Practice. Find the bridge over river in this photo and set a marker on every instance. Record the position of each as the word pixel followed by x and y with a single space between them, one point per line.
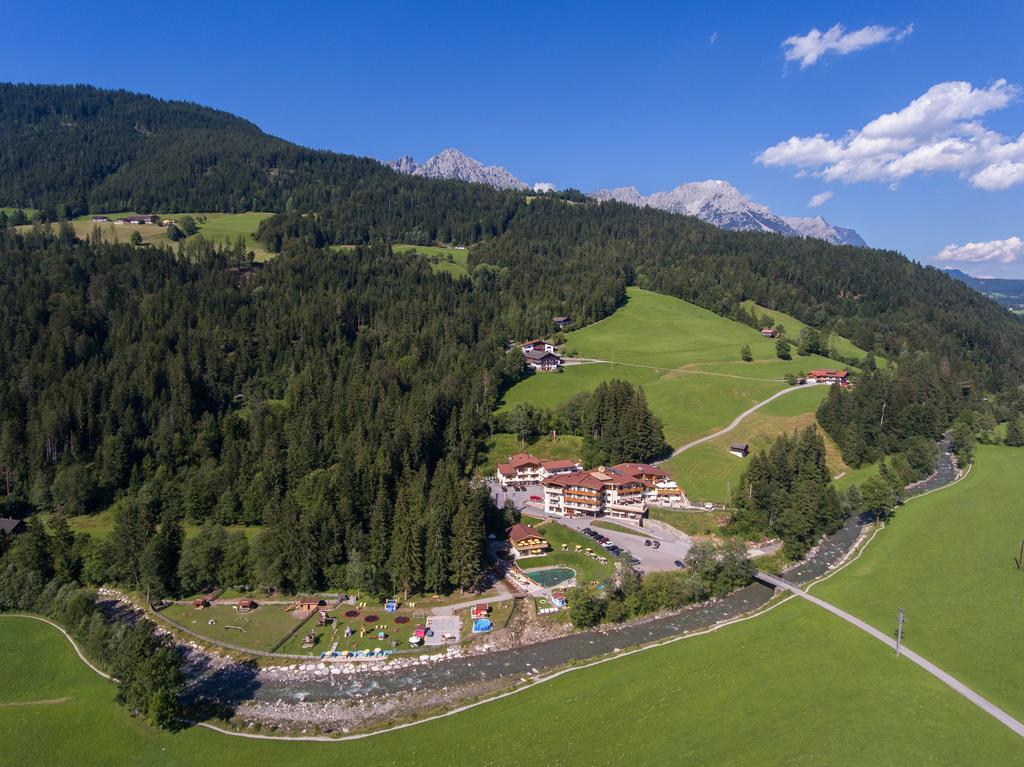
pixel 532 660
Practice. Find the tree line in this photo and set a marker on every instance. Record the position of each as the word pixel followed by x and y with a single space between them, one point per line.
pixel 615 421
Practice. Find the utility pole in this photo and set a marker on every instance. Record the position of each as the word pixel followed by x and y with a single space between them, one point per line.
pixel 899 631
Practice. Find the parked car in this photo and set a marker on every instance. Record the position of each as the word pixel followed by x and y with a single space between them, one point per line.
pixel 647 542
pixel 678 563
pixel 656 544
pixel 536 498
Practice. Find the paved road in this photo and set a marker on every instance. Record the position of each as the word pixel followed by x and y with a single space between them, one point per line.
pixel 651 559
pixel 673 547
pixel 739 419
pixel 947 679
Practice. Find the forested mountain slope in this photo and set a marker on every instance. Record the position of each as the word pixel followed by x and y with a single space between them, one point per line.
pixel 71 150
pixel 330 393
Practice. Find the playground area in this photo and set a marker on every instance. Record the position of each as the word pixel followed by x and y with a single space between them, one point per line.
pixel 261 628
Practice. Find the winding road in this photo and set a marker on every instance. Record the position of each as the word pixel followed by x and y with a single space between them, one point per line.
pixel 948 679
pixel 739 419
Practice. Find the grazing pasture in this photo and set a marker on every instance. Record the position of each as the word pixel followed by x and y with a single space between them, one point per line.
pixel 222 228
pixel 687 359
pixel 948 559
pixel 844 346
pixel 779 689
pixel 708 471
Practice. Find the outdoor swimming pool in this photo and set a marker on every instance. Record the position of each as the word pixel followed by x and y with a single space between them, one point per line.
pixel 552 576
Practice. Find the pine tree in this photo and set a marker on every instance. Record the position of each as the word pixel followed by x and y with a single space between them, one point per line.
pixel 159 562
pixel 467 544
pixel 441 507
pixel 1015 432
pixel 62 541
pixel 406 563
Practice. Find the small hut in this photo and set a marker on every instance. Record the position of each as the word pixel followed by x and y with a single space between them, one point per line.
pixel 246 604
pixel 200 603
pixel 739 449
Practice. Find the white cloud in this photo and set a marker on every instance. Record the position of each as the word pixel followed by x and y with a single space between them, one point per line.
pixel 938 131
pixel 544 186
pixel 714 38
pixel 820 199
pixel 1005 251
pixel 807 49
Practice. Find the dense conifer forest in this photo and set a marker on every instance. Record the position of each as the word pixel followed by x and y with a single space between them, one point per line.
pixel 338 398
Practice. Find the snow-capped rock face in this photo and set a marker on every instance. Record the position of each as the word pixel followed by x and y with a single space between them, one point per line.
pixel 722 204
pixel 816 226
pixel 453 164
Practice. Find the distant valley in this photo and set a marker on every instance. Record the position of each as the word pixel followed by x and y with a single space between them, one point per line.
pixel 1008 293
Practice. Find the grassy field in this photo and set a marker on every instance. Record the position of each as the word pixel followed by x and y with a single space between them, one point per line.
pixel 794 687
pixel 793 327
pixel 686 358
pixel 451 260
pixel 708 471
pixel 501 446
pixel 689 522
pixel 222 228
pixel 30 213
pixel 260 629
pixel 587 569
pixel 948 559
pixel 101 525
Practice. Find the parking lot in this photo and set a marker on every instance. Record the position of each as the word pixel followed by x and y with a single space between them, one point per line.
pixel 672 548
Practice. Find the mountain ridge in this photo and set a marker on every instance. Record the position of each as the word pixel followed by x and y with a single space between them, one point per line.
pixel 722 204
pixel 454 165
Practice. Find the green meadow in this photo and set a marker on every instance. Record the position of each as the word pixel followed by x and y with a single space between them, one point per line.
pixel 223 228
pixel 948 559
pixel 500 446
pixel 795 686
pixel 709 471
pixel 450 260
pixel 686 358
pixel 793 327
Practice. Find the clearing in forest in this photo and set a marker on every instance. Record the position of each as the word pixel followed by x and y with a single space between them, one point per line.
pixel 687 359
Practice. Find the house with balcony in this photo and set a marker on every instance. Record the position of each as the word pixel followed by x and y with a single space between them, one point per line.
pixel 659 487
pixel 526 541
pixel 604 491
pixel 528 469
pixel 841 377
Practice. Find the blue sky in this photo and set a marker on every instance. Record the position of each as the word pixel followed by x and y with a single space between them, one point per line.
pixel 593 95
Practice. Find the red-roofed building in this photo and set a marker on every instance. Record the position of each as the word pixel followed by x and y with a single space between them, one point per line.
pixel 596 492
pixel 840 377
pixel 659 487
pixel 524 468
pixel 526 541
pixel 769 332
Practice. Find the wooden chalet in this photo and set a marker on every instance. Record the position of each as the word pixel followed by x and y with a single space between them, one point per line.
pixel 526 541
pixel 739 449
pixel 246 604
pixel 841 377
